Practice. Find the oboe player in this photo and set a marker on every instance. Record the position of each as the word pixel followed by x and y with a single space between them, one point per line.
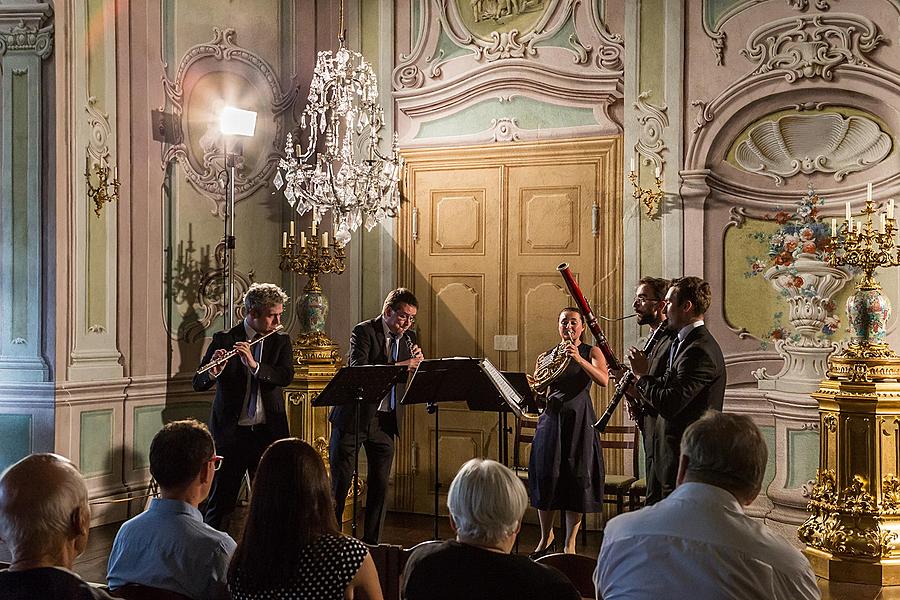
pixel 650 307
pixel 386 339
pixel 248 411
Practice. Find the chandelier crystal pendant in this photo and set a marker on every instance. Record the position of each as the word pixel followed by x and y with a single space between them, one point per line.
pixel 342 170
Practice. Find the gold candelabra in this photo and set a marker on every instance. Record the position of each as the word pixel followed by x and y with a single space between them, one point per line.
pixel 860 245
pixel 101 194
pixel 651 199
pixel 307 256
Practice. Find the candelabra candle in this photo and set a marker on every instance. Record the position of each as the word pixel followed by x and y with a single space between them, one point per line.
pixel 651 199
pixel 863 245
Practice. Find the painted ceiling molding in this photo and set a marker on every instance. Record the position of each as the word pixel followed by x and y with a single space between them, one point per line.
pixel 827 142
pixel 653 119
pixel 812 46
pixel 432 82
pixel 202 70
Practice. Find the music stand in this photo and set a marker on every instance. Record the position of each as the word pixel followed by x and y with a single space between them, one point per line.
pixel 362 384
pixel 474 381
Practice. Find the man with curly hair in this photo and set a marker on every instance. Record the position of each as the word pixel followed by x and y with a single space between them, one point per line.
pixel 248 411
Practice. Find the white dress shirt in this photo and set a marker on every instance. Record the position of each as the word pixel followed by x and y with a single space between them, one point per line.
pixel 698 544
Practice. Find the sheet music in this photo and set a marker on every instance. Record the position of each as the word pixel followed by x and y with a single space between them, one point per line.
pixel 509 393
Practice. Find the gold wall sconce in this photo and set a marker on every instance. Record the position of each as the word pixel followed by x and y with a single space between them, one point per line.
pixel 651 199
pixel 106 190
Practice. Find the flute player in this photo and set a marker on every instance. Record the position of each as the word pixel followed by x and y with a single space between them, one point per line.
pixel 248 412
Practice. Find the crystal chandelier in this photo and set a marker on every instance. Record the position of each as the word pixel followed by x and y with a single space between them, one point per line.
pixel 342 169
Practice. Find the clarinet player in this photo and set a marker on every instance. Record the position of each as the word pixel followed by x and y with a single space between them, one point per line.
pixel 650 307
pixel 386 339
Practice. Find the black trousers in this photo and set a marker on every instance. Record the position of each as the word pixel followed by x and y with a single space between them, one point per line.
pixel 379 446
pixel 239 456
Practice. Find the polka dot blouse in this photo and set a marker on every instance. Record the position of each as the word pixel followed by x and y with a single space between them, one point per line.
pixel 325 569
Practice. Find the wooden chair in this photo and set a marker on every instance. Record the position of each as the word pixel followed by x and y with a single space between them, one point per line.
pixel 524 436
pixel 637 494
pixel 577 568
pixel 616 488
pixel 389 560
pixel 134 591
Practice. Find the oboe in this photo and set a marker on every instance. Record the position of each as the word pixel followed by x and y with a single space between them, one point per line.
pixel 412 351
pixel 225 357
pixel 628 379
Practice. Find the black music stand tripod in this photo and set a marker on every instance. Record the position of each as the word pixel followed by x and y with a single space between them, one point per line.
pixel 363 384
pixel 455 380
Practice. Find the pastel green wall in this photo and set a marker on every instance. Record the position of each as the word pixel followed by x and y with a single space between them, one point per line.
pixel 148 420
pixel 16 438
pixel 803 457
pixel 768 433
pixel 96 447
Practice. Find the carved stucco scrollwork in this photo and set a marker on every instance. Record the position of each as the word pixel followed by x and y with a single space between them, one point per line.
pixel 100 131
pixel 222 57
pixel 653 120
pixel 505 129
pixel 812 46
pixel 825 143
pixel 704 115
pixel 25 38
pixel 802 5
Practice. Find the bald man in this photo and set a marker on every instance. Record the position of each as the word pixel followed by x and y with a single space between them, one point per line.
pixel 44 520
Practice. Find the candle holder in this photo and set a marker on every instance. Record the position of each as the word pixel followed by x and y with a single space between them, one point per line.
pixel 651 199
pixel 105 190
pixel 862 246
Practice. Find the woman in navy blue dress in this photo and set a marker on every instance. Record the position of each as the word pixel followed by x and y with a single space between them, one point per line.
pixel 565 471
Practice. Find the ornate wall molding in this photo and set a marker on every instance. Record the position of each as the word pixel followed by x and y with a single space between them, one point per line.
pixel 827 142
pixel 203 155
pixel 653 120
pixel 100 131
pixel 812 46
pixel 460 59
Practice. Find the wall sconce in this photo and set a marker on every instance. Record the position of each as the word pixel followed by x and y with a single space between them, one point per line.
pixel 651 199
pixel 105 190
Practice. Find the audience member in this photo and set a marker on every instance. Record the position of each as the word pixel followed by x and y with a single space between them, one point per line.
pixel 291 546
pixel 486 502
pixel 697 542
pixel 44 521
pixel 169 546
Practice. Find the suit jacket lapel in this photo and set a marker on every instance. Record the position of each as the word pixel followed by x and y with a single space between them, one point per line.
pixel 689 339
pixel 380 341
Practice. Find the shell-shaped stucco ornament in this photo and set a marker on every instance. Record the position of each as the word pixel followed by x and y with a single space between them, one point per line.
pixel 825 143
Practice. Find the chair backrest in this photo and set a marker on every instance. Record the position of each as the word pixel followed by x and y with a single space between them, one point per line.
pixel 626 439
pixel 579 569
pixel 134 591
pixel 525 429
pixel 389 560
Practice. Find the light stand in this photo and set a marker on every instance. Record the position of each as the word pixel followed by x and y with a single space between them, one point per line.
pixel 232 122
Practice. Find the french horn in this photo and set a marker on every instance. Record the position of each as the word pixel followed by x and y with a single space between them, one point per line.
pixel 550 365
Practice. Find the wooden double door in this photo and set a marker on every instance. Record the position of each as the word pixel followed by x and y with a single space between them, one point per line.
pixel 481 237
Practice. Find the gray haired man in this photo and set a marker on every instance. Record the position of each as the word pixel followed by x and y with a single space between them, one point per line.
pixel 697 542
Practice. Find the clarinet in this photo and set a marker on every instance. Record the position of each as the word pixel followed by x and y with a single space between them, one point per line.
pixel 628 379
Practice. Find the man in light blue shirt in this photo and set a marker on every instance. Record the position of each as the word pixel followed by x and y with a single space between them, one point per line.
pixel 169 546
pixel 698 542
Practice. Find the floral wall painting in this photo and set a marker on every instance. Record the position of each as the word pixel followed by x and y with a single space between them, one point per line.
pixel 482 17
pixel 782 290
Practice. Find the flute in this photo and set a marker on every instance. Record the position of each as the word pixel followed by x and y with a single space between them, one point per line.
pixel 225 357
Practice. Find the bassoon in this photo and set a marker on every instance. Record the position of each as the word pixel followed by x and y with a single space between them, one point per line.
pixel 589 317
pixel 626 382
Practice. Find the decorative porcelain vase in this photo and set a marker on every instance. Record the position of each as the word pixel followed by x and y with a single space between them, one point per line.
pixel 312 310
pixel 868 311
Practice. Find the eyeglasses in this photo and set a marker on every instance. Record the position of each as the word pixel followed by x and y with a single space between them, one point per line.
pixel 216 461
pixel 643 300
pixel 405 317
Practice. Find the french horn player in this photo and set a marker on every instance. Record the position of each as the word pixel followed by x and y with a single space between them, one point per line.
pixel 565 471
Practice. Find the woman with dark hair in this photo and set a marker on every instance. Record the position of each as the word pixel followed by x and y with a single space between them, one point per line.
pixel 291 546
pixel 565 471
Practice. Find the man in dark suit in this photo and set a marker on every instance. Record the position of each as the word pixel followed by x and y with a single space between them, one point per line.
pixel 248 411
pixel 693 381
pixel 386 339
pixel 650 307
